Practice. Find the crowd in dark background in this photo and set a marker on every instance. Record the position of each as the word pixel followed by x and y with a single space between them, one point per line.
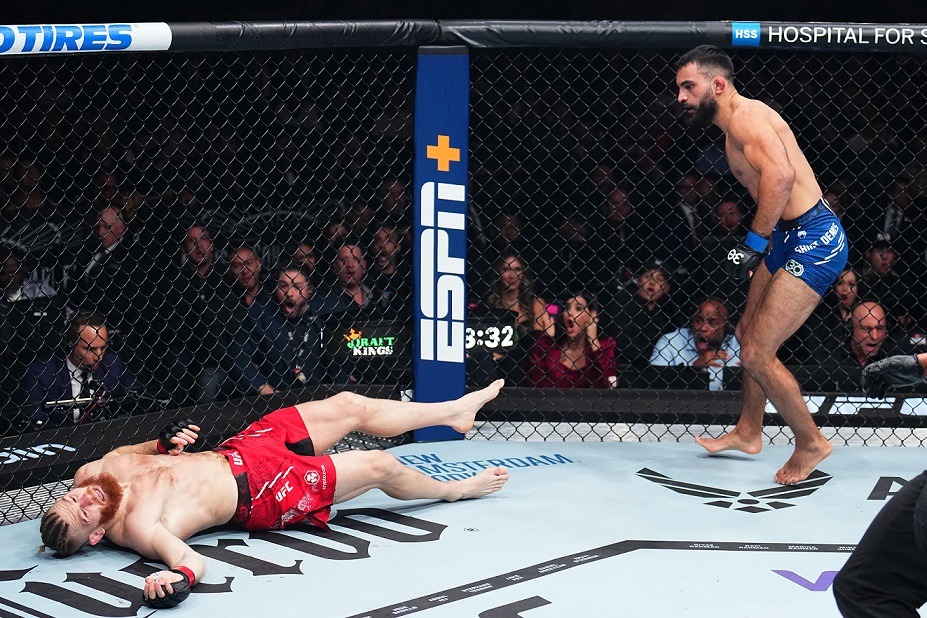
pixel 186 229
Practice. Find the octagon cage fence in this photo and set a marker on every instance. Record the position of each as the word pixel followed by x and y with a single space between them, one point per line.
pixel 220 225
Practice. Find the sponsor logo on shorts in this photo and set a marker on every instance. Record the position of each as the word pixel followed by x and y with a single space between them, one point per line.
pixel 236 457
pixel 312 477
pixel 758 501
pixel 802 233
pixel 794 268
pixel 745 34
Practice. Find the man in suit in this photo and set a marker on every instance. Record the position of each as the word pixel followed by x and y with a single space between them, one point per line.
pixel 110 279
pixel 86 370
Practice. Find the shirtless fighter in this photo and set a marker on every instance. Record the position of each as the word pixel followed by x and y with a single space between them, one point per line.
pixel 794 250
pixel 150 497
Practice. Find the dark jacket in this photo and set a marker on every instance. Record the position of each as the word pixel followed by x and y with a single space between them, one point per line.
pixel 48 380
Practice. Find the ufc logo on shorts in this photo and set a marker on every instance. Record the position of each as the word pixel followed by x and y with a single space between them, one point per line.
pixel 735 256
pixel 443 292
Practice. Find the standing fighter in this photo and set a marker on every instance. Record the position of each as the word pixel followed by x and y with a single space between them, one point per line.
pixel 807 251
pixel 150 497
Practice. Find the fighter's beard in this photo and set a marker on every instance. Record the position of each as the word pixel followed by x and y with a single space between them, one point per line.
pixel 704 114
pixel 113 492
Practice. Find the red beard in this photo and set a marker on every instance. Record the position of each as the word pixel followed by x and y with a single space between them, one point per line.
pixel 112 491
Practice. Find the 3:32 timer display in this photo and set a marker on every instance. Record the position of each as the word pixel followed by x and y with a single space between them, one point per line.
pixel 491 337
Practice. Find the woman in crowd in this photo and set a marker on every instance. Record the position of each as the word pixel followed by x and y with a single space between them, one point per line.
pixel 581 357
pixel 513 289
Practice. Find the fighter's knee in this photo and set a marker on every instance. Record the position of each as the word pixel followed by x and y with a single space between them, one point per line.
pixel 754 358
pixel 348 402
pixel 381 464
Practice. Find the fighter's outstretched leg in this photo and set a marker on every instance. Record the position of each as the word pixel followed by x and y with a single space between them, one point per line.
pixel 360 471
pixel 332 419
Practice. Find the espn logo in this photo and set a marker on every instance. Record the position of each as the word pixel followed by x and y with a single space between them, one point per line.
pixel 443 289
pixel 745 34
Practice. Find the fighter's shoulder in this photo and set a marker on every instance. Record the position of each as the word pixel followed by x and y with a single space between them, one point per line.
pixel 752 115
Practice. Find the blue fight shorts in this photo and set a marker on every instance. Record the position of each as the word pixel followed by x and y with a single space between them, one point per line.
pixel 812 247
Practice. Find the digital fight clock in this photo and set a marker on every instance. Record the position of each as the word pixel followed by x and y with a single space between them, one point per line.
pixel 491 336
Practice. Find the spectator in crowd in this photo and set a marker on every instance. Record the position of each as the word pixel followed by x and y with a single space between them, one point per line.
pixel 509 233
pixel 573 252
pixel 638 314
pixel 902 223
pixel 506 233
pixel 79 372
pixel 334 234
pixel 16 282
pixel 619 229
pixel 678 230
pixel 394 199
pixel 305 256
pixel 358 218
pixel 196 314
pixel 513 289
pixel 728 226
pixel 109 278
pixel 582 357
pixel 389 274
pixel 708 342
pixel 282 345
pixel 396 206
pixel 246 269
pixel 868 334
pixel 881 279
pixel 29 206
pixel 827 327
pixel 351 293
pixel 31 319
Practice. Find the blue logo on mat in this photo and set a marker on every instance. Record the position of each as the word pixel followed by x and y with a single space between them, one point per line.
pixel 745 34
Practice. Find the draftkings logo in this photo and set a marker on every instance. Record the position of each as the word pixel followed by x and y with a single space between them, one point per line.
pixel 358 345
pixel 758 501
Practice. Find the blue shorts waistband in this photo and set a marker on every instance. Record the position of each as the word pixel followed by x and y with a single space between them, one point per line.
pixel 792 224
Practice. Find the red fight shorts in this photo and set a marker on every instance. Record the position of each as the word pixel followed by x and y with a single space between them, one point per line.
pixel 280 480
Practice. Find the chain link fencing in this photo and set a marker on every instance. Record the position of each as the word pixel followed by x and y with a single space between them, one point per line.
pixel 190 229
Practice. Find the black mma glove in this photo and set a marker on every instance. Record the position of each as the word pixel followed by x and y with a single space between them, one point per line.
pixel 164 438
pixel 745 257
pixel 893 371
pixel 181 592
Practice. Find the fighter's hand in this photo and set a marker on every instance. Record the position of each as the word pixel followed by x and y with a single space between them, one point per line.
pixel 166 589
pixel 891 372
pixel 177 435
pixel 743 259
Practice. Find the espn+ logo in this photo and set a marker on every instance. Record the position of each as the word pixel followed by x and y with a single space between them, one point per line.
pixel 65 38
pixel 745 33
pixel 443 290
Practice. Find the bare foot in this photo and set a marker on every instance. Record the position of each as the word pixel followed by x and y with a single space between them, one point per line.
pixel 472 402
pixel 485 483
pixel 803 462
pixel 733 441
